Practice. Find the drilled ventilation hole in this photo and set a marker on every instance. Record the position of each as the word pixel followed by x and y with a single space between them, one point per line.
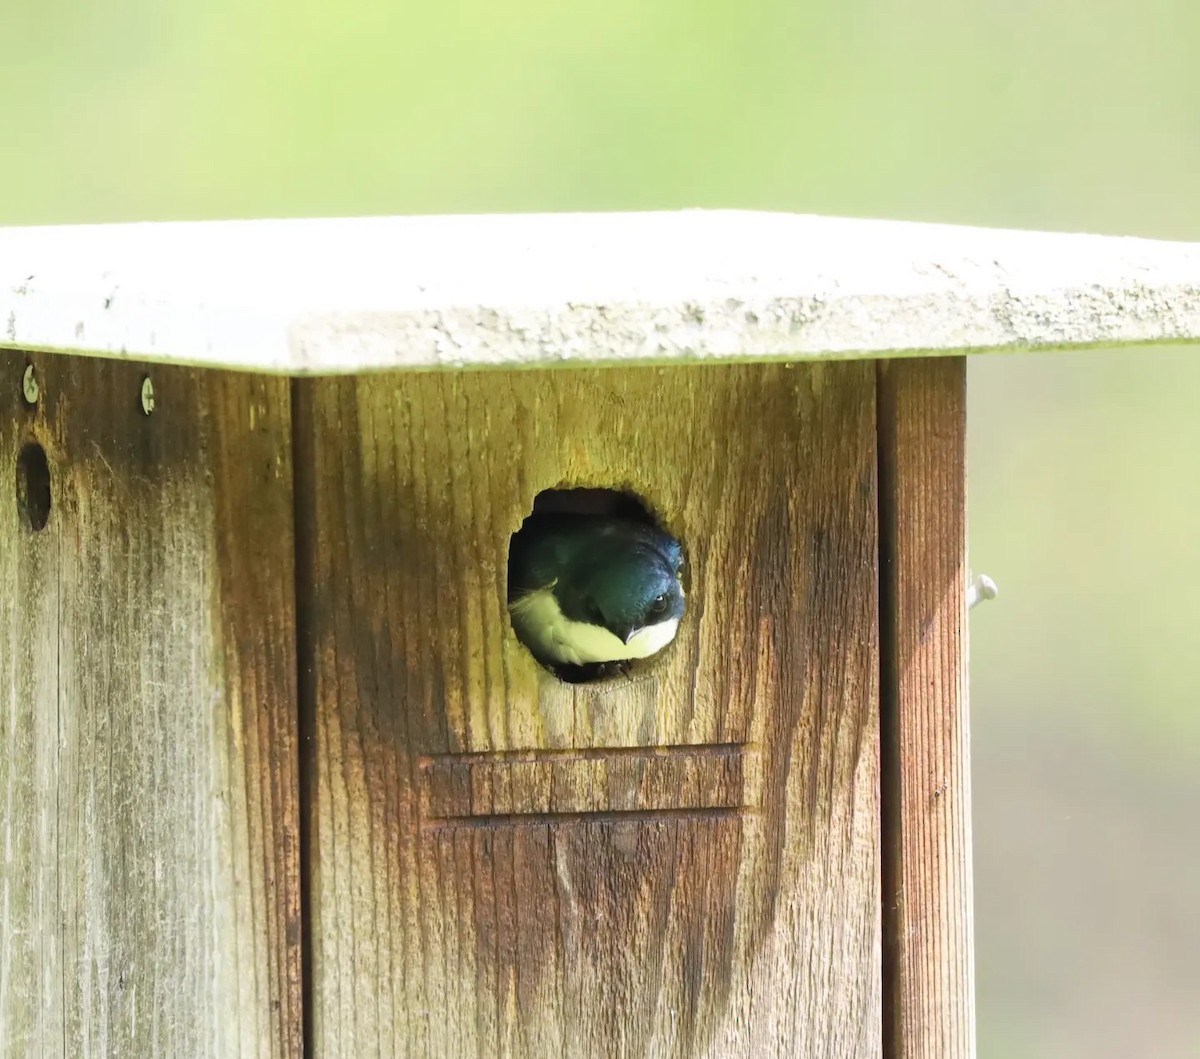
pixel 33 486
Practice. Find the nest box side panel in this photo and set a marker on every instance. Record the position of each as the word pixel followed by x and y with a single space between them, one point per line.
pixel 149 896
pixel 683 862
pixel 929 952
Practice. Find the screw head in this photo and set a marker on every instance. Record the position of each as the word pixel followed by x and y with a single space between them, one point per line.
pixel 147 395
pixel 29 385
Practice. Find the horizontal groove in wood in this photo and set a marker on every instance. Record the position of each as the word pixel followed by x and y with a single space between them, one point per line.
pixel 591 753
pixel 500 820
pixel 612 780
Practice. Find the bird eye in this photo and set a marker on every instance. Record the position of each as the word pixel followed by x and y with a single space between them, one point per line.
pixel 658 605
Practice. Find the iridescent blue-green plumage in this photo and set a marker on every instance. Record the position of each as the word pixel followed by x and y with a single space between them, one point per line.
pixel 589 589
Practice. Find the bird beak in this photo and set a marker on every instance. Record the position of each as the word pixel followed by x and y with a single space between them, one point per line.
pixel 630 634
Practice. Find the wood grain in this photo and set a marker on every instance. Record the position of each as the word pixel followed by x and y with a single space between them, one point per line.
pixel 540 783
pixel 929 955
pixel 149 898
pixel 612 916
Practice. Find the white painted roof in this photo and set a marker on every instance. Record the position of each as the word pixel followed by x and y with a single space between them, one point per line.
pixel 339 296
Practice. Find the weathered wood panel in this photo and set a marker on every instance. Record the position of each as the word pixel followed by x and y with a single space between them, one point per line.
pixel 345 295
pixel 929 955
pixel 683 863
pixel 149 861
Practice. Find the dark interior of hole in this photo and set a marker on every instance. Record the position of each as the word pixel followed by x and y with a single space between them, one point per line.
pixel 602 503
pixel 33 486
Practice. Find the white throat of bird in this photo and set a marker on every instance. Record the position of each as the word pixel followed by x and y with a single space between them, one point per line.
pixel 551 634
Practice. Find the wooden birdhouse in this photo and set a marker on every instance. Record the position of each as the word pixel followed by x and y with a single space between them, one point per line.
pixel 277 776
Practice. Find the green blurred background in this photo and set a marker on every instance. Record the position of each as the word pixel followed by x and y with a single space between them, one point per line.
pixel 1058 114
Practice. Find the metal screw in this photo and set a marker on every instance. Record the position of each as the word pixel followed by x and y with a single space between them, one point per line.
pixel 29 385
pixel 981 587
pixel 147 395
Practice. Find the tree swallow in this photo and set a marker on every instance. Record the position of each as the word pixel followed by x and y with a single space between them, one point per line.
pixel 585 590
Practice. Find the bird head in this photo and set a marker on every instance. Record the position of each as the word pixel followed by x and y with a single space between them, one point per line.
pixel 628 582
